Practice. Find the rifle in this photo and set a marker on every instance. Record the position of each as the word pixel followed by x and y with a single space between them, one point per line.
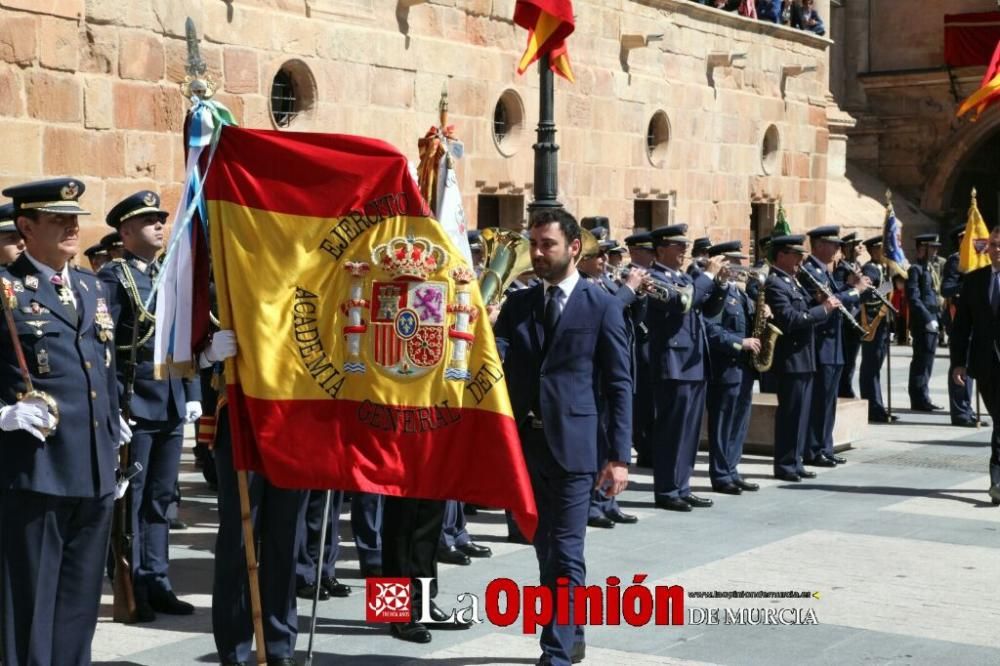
pixel 121 527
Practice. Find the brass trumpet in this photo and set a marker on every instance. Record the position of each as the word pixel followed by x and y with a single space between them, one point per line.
pixel 658 289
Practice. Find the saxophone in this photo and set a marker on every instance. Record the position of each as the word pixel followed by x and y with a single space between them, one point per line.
pixel 764 331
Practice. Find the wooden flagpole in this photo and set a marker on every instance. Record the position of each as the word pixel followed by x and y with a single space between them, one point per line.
pixel 252 567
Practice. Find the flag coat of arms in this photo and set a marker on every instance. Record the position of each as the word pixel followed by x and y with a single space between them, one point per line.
pixel 366 361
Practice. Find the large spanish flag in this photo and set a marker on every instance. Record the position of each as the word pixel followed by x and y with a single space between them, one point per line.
pixel 366 361
pixel 549 23
pixel 988 92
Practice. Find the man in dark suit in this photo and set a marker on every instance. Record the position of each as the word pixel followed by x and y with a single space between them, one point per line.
pixel 564 343
pixel 58 479
pixel 794 354
pixel 729 319
pixel 975 344
pixel 922 295
pixel 678 354
pixel 875 347
pixel 825 243
pixel 160 408
pixel 959 395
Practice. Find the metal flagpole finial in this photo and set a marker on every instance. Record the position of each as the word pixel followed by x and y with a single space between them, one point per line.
pixel 973 193
pixel 888 197
pixel 443 105
pixel 197 83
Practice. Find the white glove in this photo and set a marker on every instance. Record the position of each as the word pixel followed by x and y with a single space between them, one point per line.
pixel 192 411
pixel 223 346
pixel 124 431
pixel 30 414
pixel 932 327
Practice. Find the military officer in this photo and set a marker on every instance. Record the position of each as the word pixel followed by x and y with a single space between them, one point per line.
pixel 877 320
pixel 824 243
pixel 58 479
pixel 616 258
pixel 794 355
pixel 936 263
pixel 640 249
pixel 11 243
pixel 848 265
pixel 678 352
pixel 959 396
pixel 160 408
pixel 113 243
pixel 729 321
pixel 924 301
pixel 97 255
pixel 309 532
pixel 764 379
pixel 699 253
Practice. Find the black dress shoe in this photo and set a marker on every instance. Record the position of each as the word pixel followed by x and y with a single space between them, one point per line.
pixel 968 423
pixel 994 493
pixel 819 461
pixel 600 521
pixel 518 538
pixel 579 652
pixel 334 587
pixel 929 407
pixel 442 620
pixel 791 478
pixel 884 418
pixel 143 611
pixel 282 661
pixel 453 555
pixel 698 502
pixel 475 550
pixel 167 602
pixel 414 632
pixel 746 485
pixel 840 460
pixel 234 663
pixel 672 504
pixel 309 592
pixel 620 516
pixel 728 489
pixel 806 474
pixel 176 525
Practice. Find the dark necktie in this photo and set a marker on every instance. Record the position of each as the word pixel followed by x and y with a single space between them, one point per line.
pixel 552 312
pixel 65 296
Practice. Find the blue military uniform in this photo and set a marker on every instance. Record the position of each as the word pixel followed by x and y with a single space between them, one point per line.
pixel 922 294
pixel 829 341
pixel 58 495
pixel 875 346
pixel 699 250
pixel 678 356
pixel 729 320
pixel 852 343
pixel 959 397
pixel 157 407
pixel 643 405
pixel 794 363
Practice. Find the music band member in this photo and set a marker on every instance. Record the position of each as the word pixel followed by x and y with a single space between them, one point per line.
pixel 563 344
pixel 975 345
pixel 678 353
pixel 875 318
pixel 729 320
pixel 846 266
pixel 794 355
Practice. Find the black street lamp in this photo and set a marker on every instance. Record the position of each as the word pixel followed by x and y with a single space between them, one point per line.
pixel 546 185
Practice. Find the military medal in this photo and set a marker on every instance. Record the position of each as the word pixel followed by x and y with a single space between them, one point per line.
pixel 65 297
pixel 31 282
pixel 43 362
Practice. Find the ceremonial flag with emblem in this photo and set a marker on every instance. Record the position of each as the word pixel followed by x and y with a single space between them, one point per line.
pixel 366 360
pixel 892 243
pixel 549 23
pixel 972 252
pixel 987 93
pixel 781 226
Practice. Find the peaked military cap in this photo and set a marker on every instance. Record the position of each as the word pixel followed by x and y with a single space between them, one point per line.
pixel 829 232
pixel 95 250
pixel 598 225
pixel 58 195
pixel 850 239
pixel 957 232
pixel 729 249
pixel 143 202
pixel 874 241
pixel 764 241
pixel 7 219
pixel 672 234
pixel 643 239
pixel 701 244
pixel 475 239
pixel 617 249
pixel 608 245
pixel 112 241
pixel 928 239
pixel 789 243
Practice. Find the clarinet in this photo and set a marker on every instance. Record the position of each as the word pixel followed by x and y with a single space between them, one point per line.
pixel 823 289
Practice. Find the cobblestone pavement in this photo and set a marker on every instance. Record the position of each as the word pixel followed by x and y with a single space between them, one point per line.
pixel 900 545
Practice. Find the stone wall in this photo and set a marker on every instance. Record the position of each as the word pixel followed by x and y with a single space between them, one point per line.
pixel 90 88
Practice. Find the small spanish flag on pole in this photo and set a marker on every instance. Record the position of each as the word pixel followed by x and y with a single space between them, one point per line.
pixel 549 23
pixel 972 251
pixel 988 92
